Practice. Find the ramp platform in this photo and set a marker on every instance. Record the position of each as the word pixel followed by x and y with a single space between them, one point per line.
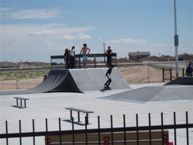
pixel 182 81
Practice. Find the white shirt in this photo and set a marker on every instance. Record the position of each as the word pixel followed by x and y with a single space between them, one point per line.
pixel 72 52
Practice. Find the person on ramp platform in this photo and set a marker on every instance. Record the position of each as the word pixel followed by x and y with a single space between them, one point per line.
pixel 67 58
pixel 72 57
pixel 109 56
pixel 85 51
pixel 108 74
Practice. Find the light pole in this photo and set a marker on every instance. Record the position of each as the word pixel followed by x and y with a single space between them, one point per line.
pixel 176 40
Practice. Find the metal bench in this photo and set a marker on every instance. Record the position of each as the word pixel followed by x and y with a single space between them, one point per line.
pixel 87 112
pixel 21 102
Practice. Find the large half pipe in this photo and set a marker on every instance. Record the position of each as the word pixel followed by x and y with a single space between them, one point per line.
pixel 75 80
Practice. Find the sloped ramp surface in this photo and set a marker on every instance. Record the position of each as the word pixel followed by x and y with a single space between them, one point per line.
pixel 52 83
pixel 182 81
pixel 74 80
pixel 58 80
pixel 154 93
pixel 92 79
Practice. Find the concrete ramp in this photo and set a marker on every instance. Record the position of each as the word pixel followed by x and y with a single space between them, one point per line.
pixel 52 82
pixel 182 81
pixel 74 80
pixel 154 93
pixel 93 79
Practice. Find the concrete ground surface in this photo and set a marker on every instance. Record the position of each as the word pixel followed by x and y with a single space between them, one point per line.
pixel 52 106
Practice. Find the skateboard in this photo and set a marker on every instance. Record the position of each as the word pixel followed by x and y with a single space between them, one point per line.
pixel 105 89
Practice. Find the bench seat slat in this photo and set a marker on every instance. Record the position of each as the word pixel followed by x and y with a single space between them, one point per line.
pixel 21 98
pixel 78 110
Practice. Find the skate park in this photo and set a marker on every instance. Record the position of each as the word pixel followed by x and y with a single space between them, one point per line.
pixel 80 89
pixel 142 96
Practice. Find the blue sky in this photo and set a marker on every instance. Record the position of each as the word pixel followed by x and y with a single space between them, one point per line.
pixel 32 30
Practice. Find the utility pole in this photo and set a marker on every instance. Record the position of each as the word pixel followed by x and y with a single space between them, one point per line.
pixel 176 40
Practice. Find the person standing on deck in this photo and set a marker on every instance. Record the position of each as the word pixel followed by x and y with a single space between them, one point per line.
pixel 72 57
pixel 67 58
pixel 84 51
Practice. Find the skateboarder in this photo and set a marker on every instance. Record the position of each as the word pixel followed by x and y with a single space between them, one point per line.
pixel 108 82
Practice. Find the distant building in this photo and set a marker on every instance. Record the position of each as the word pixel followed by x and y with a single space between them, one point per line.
pixel 23 65
pixel 138 55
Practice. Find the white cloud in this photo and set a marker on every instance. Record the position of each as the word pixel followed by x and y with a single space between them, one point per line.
pixel 42 33
pixel 36 42
pixel 129 41
pixel 83 36
pixel 8 13
pixel 79 36
pixel 125 45
pixel 69 37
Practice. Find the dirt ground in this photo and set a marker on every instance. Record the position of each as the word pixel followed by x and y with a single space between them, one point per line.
pixel 20 84
pixel 133 74
pixel 141 74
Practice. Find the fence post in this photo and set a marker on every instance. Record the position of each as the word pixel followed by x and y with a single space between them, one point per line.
pixel 6 128
pixel 162 128
pixel 183 72
pixel 112 137
pixel 124 125
pixel 170 74
pixel 47 138
pixel 73 136
pixel 99 132
pixel 137 130
pixel 163 74
pixel 175 140
pixel 60 135
pixel 187 129
pixel 20 139
pixel 150 137
pixel 86 133
pixel 33 129
pixel 148 77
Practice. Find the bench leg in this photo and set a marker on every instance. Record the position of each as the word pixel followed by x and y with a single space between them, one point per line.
pixel 21 104
pixel 24 103
pixel 71 115
pixel 86 119
pixel 78 116
pixel 17 102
